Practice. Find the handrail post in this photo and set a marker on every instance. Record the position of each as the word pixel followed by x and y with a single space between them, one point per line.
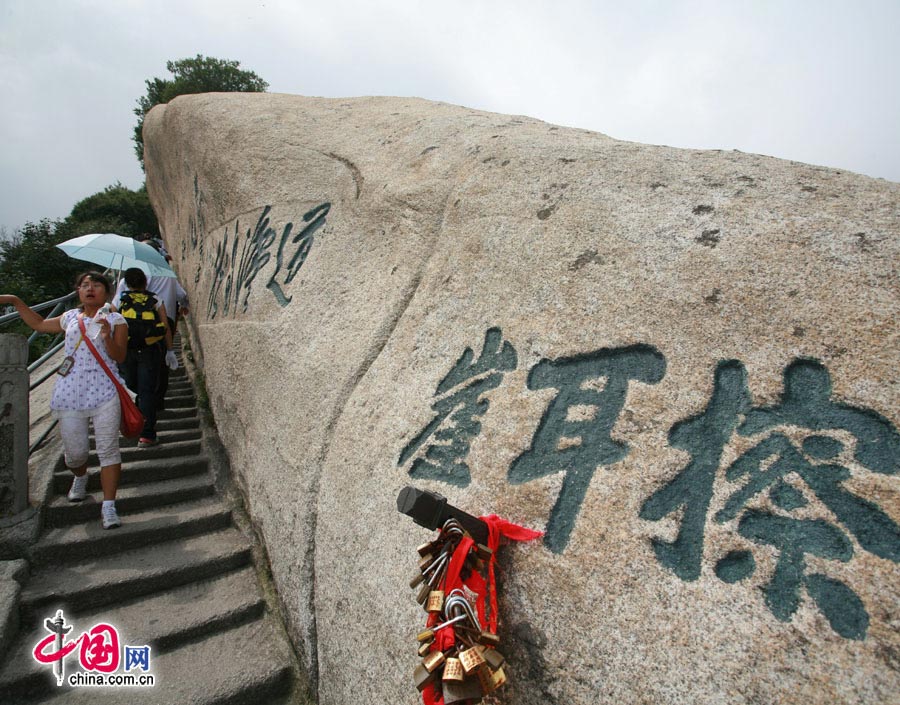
pixel 13 425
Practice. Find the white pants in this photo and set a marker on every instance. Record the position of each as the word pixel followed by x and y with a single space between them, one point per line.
pixel 74 432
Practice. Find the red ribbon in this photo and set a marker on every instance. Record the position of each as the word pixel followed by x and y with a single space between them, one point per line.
pixel 446 637
pixel 498 527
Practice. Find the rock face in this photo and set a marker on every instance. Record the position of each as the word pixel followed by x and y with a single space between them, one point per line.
pixel 681 365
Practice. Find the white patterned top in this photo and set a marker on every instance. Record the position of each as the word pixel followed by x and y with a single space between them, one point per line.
pixel 87 387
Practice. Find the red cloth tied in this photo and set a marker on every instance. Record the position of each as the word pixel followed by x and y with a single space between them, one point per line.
pixel 498 527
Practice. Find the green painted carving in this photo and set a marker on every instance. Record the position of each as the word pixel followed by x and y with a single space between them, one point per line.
pixel 578 447
pixel 704 437
pixel 807 403
pixel 196 222
pixel 765 469
pixel 794 538
pixel 236 267
pixel 457 415
pixel 574 437
pixel 874 530
pixel 301 244
pixel 786 496
pixel 840 605
pixel 735 566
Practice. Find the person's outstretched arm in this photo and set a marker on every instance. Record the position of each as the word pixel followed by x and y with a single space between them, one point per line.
pixel 32 319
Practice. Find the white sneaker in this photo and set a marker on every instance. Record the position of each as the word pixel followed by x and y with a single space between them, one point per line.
pixel 78 491
pixel 110 518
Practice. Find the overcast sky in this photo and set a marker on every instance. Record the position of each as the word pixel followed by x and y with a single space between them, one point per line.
pixel 816 81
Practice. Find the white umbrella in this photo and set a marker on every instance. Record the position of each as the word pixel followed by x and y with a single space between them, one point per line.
pixel 117 252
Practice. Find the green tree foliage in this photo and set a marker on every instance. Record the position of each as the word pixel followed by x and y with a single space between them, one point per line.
pixel 31 266
pixel 116 209
pixel 34 269
pixel 198 75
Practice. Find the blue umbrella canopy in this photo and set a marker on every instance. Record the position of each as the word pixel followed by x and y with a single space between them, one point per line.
pixel 117 252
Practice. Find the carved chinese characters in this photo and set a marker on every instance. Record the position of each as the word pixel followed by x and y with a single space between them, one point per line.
pixel 578 446
pixel 237 259
pixel 463 407
pixel 790 476
pixel 787 491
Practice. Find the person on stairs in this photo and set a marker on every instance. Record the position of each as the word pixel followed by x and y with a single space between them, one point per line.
pixel 168 291
pixel 83 391
pixel 149 337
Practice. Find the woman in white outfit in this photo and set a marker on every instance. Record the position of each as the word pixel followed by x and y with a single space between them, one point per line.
pixel 85 392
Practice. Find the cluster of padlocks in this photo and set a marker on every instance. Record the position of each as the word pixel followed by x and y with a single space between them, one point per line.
pixel 460 659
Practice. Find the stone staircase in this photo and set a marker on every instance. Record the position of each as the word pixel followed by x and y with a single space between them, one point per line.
pixel 178 575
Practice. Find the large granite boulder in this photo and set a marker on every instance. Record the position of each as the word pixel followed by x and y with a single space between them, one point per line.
pixel 681 365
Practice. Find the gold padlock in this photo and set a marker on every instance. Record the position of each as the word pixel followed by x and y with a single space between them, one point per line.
pixel 433 660
pixel 428 634
pixel 425 648
pixel 499 677
pixel 427 548
pixel 435 602
pixel 471 659
pixel 453 670
pixel 474 562
pixel 485 679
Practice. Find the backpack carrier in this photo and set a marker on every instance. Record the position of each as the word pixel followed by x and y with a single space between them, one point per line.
pixel 144 324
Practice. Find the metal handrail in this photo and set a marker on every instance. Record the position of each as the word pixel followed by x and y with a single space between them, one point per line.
pixel 42 359
pixel 62 300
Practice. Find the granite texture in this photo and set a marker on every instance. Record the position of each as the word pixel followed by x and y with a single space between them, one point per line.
pixel 682 367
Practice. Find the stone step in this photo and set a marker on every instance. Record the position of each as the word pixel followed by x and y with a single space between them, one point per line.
pixel 165 435
pixel 177 399
pixel 109 580
pixel 171 430
pixel 179 389
pixel 188 422
pixel 130 499
pixel 179 386
pixel 75 542
pixel 246 665
pixel 183 441
pixel 163 621
pixel 178 413
pixel 168 447
pixel 179 402
pixel 139 471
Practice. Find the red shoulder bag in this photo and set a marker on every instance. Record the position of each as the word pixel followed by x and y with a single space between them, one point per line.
pixel 132 418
